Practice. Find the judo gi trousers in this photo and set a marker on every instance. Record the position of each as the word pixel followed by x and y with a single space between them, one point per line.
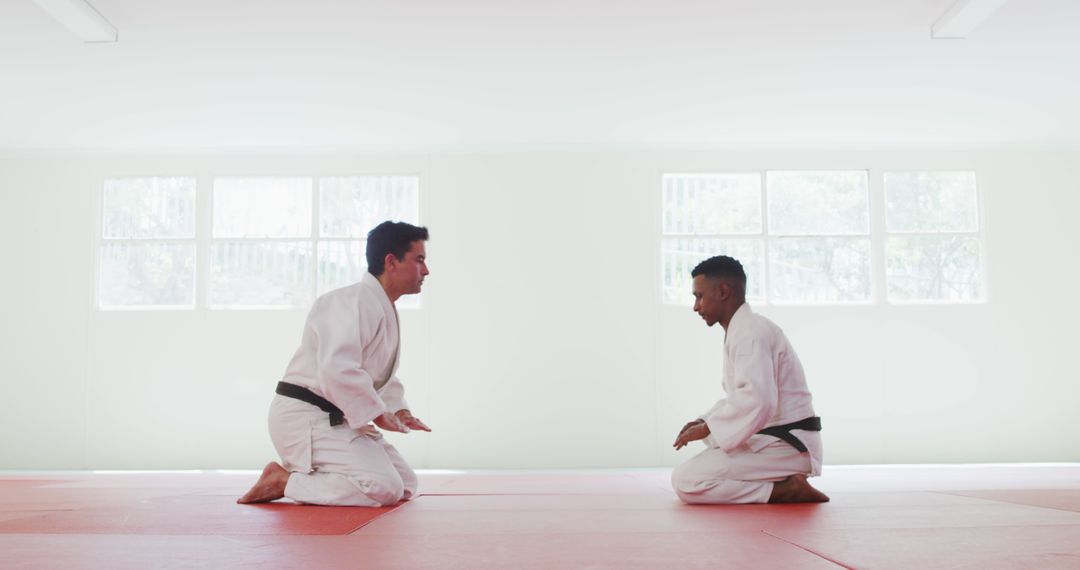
pixel 744 475
pixel 336 465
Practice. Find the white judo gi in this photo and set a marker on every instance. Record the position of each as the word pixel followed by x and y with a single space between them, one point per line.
pixel 765 386
pixel 348 354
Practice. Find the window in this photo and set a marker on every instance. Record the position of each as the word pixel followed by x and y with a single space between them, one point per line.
pixel 261 253
pixel 147 247
pixel 933 249
pixel 706 215
pixel 807 237
pixel 810 228
pixel 820 222
pixel 273 241
pixel 349 207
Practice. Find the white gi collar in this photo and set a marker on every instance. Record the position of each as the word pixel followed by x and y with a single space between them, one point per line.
pixel 372 282
pixel 743 313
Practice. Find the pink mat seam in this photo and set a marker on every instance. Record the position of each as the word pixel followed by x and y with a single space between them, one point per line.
pixel 1008 502
pixel 809 550
pixel 381 515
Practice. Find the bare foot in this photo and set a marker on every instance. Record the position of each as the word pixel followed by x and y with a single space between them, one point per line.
pixel 796 489
pixel 269 487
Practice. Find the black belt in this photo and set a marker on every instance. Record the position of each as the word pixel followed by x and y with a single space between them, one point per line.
pixel 784 432
pixel 337 417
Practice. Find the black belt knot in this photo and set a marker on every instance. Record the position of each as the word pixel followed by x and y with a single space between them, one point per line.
pixel 337 417
pixel 784 432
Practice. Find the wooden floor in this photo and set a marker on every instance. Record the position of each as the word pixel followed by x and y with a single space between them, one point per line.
pixel 995 516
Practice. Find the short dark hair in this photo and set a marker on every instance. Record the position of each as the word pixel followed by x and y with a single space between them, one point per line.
pixel 391 237
pixel 723 267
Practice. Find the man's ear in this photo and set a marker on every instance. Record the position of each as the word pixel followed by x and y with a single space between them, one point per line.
pixel 388 260
pixel 725 289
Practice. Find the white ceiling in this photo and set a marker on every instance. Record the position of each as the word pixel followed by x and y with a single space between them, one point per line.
pixel 280 74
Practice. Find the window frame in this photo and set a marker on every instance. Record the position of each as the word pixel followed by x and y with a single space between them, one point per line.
pixel 204 240
pixel 877 236
pixel 749 237
pixel 766 237
pixel 100 241
pixel 868 236
pixel 978 235
pixel 409 302
pixel 207 280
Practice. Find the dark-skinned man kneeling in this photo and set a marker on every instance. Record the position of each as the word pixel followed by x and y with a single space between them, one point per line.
pixel 762 439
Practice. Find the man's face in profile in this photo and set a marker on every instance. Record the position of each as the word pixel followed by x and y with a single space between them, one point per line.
pixel 708 298
pixel 411 269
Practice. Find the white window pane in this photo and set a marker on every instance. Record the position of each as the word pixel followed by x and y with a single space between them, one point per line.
pixel 147 274
pixel 819 270
pixel 681 255
pixel 262 207
pixel 931 202
pixel 351 206
pixel 260 273
pixel 341 263
pixel 149 208
pixel 934 268
pixel 712 203
pixel 818 203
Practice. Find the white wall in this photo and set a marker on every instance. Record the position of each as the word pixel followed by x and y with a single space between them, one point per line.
pixel 541 342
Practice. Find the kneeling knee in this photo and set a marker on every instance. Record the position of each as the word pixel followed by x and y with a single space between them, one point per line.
pixel 681 483
pixel 393 489
pixel 688 492
pixel 689 484
pixel 384 491
pixel 690 498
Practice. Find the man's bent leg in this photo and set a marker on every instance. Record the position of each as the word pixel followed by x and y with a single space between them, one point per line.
pixel 408 476
pixel 716 477
pixel 289 421
pixel 705 479
pixel 342 490
pixel 349 469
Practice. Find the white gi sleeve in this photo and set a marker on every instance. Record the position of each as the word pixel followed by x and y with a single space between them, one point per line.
pixel 715 407
pixel 749 406
pixel 393 394
pixel 341 335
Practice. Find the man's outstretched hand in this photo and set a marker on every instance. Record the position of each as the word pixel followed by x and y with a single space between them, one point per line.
pixel 390 422
pixel 692 431
pixel 410 421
